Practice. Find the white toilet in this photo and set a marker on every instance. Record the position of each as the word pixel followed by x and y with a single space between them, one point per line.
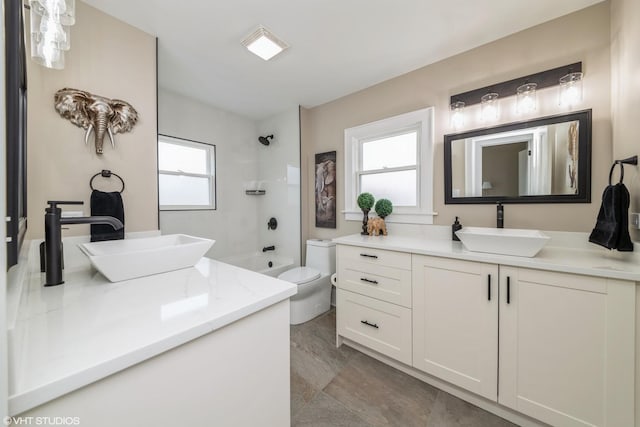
pixel 313 280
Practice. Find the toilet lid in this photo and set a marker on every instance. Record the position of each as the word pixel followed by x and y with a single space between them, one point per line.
pixel 300 275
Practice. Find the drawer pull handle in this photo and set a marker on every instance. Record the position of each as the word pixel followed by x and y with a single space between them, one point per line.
pixel 373 325
pixel 374 282
pixel 489 288
pixel 508 290
pixel 369 256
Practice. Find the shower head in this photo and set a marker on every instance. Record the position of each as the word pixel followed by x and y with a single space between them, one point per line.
pixel 264 140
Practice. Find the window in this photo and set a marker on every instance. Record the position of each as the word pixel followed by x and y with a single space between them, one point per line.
pixel 392 159
pixel 186 174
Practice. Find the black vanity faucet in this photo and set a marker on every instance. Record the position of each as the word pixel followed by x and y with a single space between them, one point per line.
pixel 53 237
pixel 500 216
pixel 268 248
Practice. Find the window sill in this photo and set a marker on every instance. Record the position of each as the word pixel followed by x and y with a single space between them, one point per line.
pixel 395 218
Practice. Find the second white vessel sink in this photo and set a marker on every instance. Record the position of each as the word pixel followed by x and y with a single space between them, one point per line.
pixel 127 259
pixel 503 241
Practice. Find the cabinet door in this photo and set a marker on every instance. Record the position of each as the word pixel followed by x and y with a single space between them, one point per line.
pixel 455 322
pixel 567 347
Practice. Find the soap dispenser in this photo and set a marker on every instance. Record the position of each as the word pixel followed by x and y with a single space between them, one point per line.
pixel 455 227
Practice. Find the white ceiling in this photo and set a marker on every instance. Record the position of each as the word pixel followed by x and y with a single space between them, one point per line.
pixel 337 46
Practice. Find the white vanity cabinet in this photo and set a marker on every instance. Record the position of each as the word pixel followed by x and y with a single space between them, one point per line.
pixel 529 344
pixel 567 347
pixel 373 297
pixel 455 322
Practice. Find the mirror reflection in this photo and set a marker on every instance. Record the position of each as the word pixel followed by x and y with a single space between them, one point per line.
pixel 538 160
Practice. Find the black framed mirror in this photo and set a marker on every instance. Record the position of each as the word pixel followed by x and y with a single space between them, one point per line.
pixel 16 132
pixel 545 160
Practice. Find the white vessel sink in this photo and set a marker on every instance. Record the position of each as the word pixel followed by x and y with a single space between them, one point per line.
pixel 503 241
pixel 127 259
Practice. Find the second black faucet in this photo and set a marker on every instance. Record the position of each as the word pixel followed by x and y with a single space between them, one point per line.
pixel 500 216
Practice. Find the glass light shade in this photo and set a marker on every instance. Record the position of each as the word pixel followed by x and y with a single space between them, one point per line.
pixel 47 55
pixel 570 89
pixel 526 99
pixel 61 11
pixel 486 185
pixel 46 30
pixel 457 115
pixel 490 109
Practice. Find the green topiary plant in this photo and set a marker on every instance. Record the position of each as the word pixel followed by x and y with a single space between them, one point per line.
pixel 365 201
pixel 384 208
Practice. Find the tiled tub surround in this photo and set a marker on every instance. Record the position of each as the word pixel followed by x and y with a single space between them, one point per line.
pixel 547 339
pixel 64 338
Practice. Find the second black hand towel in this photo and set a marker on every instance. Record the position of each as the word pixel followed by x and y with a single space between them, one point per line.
pixel 109 204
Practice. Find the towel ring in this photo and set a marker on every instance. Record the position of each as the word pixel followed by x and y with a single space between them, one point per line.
pixel 630 161
pixel 613 166
pixel 106 174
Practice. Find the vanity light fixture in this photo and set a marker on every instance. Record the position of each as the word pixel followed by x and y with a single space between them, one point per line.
pixel 50 33
pixel 526 101
pixel 568 77
pixel 570 89
pixel 264 43
pixel 490 109
pixel 457 115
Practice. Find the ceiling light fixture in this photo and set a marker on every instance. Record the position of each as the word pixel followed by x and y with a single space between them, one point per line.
pixel 264 43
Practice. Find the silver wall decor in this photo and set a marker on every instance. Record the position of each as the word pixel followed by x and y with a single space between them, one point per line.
pixel 95 114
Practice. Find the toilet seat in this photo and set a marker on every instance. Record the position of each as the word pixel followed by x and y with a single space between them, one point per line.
pixel 300 275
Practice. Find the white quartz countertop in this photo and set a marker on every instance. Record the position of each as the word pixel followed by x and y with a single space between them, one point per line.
pixel 566 253
pixel 65 337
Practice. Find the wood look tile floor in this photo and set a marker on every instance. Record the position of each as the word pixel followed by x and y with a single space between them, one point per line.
pixel 333 387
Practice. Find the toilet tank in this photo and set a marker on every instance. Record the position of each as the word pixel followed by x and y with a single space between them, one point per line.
pixel 321 255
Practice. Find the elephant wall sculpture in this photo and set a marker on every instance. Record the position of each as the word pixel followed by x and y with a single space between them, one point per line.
pixel 95 114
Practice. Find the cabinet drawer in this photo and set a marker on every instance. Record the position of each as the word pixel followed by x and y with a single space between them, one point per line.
pixel 384 283
pixel 369 256
pixel 379 325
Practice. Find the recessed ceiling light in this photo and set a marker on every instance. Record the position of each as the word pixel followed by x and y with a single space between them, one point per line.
pixel 264 43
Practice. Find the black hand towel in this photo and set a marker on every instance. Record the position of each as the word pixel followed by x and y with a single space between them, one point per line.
pixel 109 204
pixel 612 225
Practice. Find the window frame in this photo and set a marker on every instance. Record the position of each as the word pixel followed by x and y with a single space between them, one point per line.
pixel 354 138
pixel 211 175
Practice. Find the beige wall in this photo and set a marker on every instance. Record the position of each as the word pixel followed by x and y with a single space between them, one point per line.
pixel 111 59
pixel 625 90
pixel 581 36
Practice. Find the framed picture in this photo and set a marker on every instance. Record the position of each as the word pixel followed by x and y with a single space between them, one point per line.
pixel 326 189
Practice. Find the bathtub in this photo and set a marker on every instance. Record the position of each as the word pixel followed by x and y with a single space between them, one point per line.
pixel 259 262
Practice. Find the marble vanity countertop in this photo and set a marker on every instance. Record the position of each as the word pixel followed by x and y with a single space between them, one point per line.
pixel 65 337
pixel 567 253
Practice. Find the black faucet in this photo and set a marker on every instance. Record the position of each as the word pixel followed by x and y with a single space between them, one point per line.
pixel 268 248
pixel 500 216
pixel 53 237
